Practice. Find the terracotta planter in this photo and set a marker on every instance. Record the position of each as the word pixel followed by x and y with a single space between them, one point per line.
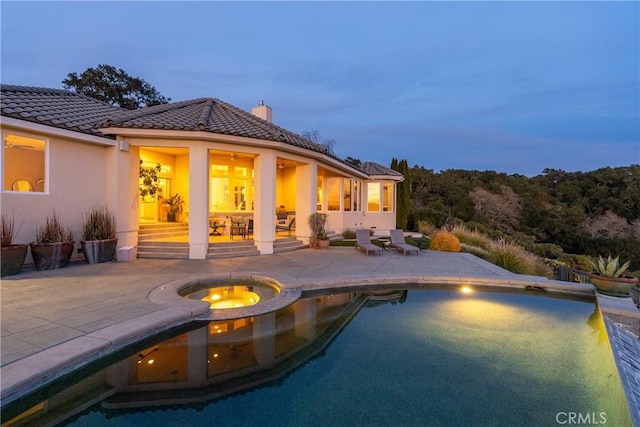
pixel 49 256
pixel 617 286
pixel 97 251
pixel 323 243
pixel 13 259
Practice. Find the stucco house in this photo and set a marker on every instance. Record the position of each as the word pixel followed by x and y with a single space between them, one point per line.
pixel 67 152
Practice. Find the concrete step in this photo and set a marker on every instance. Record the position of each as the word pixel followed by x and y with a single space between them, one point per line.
pixel 163 230
pixel 162 226
pixel 164 235
pixel 232 249
pixel 239 254
pixel 165 255
pixel 163 250
pixel 288 244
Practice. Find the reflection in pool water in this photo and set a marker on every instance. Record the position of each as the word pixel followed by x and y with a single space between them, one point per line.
pixel 425 357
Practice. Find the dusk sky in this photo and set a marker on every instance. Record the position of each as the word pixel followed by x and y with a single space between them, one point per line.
pixel 514 87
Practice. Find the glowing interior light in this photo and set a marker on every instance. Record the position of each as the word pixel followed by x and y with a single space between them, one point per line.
pixel 466 290
pixel 150 362
pixel 232 297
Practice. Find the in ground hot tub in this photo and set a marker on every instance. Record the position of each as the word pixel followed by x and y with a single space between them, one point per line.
pixel 239 297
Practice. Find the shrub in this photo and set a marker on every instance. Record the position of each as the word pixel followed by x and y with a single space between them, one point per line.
pixel 546 250
pixel 432 216
pixel 426 228
pixel 445 242
pixel 472 238
pixel 578 262
pixel 349 234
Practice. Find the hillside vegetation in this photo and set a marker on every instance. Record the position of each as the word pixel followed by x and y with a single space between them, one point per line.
pixel 551 214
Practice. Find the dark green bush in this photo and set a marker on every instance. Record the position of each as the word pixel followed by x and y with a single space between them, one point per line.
pixel 546 250
pixel 349 234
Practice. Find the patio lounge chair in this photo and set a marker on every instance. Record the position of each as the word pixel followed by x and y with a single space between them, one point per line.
pixel 286 227
pixel 363 242
pixel 397 242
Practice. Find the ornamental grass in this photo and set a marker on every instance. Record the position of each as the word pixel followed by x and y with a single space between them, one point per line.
pixel 516 259
pixel 471 237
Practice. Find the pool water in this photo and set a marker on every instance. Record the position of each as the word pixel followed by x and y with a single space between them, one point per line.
pixel 416 357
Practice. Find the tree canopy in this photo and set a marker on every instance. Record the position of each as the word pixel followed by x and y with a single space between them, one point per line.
pixel 590 213
pixel 114 86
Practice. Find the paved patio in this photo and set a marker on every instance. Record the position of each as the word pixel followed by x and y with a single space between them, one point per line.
pixel 54 321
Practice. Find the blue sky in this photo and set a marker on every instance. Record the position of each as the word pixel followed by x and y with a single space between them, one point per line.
pixel 514 87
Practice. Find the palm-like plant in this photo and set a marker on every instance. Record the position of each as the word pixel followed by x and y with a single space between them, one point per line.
pixel 610 267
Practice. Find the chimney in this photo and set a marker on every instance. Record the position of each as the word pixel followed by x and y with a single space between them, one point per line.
pixel 262 111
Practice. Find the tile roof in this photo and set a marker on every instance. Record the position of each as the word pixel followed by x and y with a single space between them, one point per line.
pixel 372 168
pixel 209 115
pixel 54 107
pixel 71 111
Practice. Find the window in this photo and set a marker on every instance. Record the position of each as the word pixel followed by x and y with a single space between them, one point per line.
pixel 319 194
pixel 357 195
pixel 333 194
pixel 231 188
pixel 387 200
pixel 24 164
pixel 373 197
pixel 219 194
pixel 347 194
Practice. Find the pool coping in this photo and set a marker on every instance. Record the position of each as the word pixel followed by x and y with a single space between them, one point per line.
pixel 622 323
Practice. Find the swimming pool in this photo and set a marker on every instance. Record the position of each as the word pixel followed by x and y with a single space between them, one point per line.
pixel 383 357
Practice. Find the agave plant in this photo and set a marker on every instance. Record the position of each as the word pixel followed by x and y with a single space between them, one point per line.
pixel 610 267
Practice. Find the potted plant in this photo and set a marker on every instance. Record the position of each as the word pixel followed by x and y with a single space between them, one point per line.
pixel 99 235
pixel 149 179
pixel 318 234
pixel 609 278
pixel 54 244
pixel 13 255
pixel 175 204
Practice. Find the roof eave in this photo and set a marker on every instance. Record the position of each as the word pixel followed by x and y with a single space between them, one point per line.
pixel 242 140
pixel 27 125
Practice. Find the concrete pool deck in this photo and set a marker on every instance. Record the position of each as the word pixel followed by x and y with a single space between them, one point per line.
pixel 55 321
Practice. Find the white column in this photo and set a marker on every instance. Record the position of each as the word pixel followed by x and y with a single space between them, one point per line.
pixel 264 210
pixel 306 193
pixel 198 203
pixel 123 192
